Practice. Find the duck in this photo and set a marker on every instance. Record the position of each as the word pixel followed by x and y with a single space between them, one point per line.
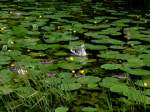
pixel 80 51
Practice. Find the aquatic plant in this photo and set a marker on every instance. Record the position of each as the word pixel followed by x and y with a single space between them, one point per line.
pixel 59 56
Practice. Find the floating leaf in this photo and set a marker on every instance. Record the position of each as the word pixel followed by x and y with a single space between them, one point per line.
pixel 38 47
pixel 19 31
pixel 119 88
pixel 134 62
pixel 89 109
pixel 88 79
pixel 70 66
pixel 108 41
pixel 95 47
pixel 140 72
pixel 57 37
pixel 111 66
pixel 4 59
pixel 61 109
pixel 147 92
pixel 109 82
pixel 5 76
pixel 115 55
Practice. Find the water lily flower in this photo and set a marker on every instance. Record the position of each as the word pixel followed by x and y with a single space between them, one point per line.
pixel 20 70
pixel 71 58
pixel 79 73
pixel 82 71
pixel 80 51
pixel 73 71
pixel 145 84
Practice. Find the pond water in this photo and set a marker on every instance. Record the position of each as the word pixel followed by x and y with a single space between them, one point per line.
pixel 73 57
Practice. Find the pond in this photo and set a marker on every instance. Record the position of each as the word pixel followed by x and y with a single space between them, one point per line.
pixel 73 57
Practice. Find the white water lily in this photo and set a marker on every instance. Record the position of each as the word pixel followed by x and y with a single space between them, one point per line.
pixel 80 51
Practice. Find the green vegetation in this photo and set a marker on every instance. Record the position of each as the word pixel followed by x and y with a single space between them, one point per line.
pixel 39 73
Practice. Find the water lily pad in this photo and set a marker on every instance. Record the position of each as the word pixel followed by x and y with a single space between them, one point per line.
pixel 108 41
pixel 96 27
pixel 38 47
pixel 57 37
pixel 95 35
pixel 5 76
pixel 134 42
pixel 88 79
pixel 139 72
pixel 115 55
pixel 70 66
pixel 19 31
pixel 61 109
pixel 36 54
pixel 95 47
pixel 134 62
pixel 119 88
pixel 111 66
pixel 117 47
pixel 89 109
pixel 109 82
pixel 147 92
pixel 61 53
pixel 136 95
pixel 4 59
pixel 111 31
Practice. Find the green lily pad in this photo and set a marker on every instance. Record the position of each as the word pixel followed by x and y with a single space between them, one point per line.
pixel 19 31
pixel 95 35
pixel 111 66
pixel 4 59
pixel 119 88
pixel 57 37
pixel 109 82
pixel 108 41
pixel 134 42
pixel 95 47
pixel 38 47
pixel 92 85
pixel 70 66
pixel 117 47
pixel 61 109
pixel 110 31
pixel 88 79
pixel 60 53
pixel 115 55
pixel 5 76
pixel 89 109
pixel 147 92
pixel 139 72
pixel 134 62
